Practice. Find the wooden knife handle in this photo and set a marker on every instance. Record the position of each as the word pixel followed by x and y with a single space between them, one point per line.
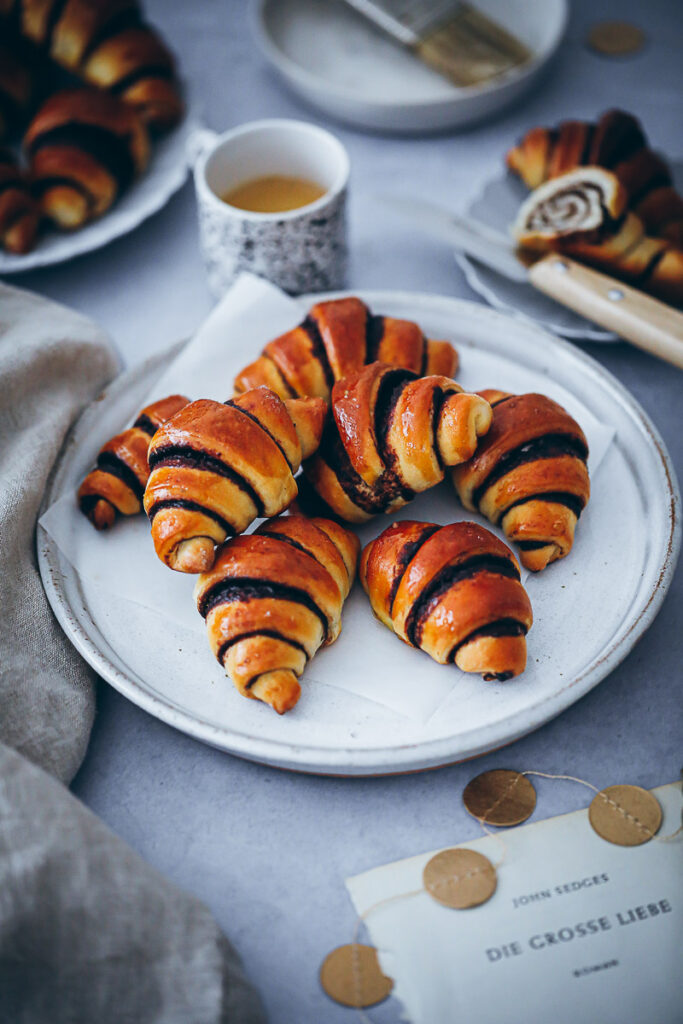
pixel 645 322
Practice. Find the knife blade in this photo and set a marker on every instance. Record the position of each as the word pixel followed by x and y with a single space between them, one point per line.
pixel 646 322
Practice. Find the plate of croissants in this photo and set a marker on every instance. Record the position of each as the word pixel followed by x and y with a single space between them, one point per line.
pixel 387 535
pixel 597 192
pixel 92 127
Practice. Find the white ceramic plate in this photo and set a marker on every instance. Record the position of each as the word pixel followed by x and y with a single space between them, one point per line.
pixel 497 204
pixel 337 61
pixel 591 608
pixel 167 171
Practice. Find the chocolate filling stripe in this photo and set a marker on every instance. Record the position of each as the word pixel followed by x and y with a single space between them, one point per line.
pixel 374 335
pixel 145 423
pixel 503 627
pixel 225 647
pixel 319 351
pixel 292 543
pixel 533 545
pixel 447 578
pixel 651 267
pixel 246 589
pixel 547 447
pixel 571 501
pixel 181 455
pixel 257 421
pixel 109 149
pixel 125 19
pixel 112 464
pixel 332 452
pixel 191 506
pixel 139 75
pixel 404 558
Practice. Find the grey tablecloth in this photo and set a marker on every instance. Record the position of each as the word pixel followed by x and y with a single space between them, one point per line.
pixel 88 931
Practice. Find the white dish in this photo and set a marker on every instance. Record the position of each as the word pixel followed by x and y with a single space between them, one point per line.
pixel 497 204
pixel 337 61
pixel 606 593
pixel 167 171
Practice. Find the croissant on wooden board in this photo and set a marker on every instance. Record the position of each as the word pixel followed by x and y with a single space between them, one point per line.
pixel 215 468
pixel 117 484
pixel 582 213
pixel 107 44
pixel 273 598
pixel 617 143
pixel 389 436
pixel 85 147
pixel 452 591
pixel 529 475
pixel 337 339
pixel 19 212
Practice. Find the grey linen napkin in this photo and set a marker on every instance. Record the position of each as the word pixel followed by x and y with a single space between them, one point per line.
pixel 88 931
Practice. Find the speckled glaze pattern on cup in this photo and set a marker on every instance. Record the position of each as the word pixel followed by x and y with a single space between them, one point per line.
pixel 299 251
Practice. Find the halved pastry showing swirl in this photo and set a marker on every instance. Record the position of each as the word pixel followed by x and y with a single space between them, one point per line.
pixel 579 204
pixel 529 475
pixel 273 598
pixel 117 483
pixel 582 214
pixel 389 437
pixel 215 468
pixel 454 592
pixel 336 340
pixel 615 142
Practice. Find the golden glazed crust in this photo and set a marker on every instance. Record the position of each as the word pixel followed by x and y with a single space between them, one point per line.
pixel 272 598
pixel 335 341
pixel 389 437
pixel 117 484
pixel 452 591
pixel 216 467
pixel 529 475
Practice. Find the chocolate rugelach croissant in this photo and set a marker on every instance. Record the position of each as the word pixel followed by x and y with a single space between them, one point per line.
pixel 215 468
pixel 617 143
pixel 19 212
pixel 582 214
pixel 85 147
pixel 117 483
pixel 337 339
pixel 529 475
pixel 452 591
pixel 108 45
pixel 389 437
pixel 273 598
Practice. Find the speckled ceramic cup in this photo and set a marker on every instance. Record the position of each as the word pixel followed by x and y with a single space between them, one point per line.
pixel 301 250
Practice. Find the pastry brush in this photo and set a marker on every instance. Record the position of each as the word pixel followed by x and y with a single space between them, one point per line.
pixel 452 37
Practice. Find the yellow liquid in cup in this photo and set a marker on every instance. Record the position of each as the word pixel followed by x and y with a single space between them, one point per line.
pixel 273 194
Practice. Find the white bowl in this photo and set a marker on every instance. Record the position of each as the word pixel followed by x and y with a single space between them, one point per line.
pixel 337 61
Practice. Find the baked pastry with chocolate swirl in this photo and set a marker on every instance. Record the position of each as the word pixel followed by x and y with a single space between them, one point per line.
pixel 107 44
pixel 581 213
pixel 19 212
pixel 336 340
pixel 529 475
pixel 216 468
pixel 272 599
pixel 85 148
pixel 117 484
pixel 580 204
pixel 617 143
pixel 454 592
pixel 389 436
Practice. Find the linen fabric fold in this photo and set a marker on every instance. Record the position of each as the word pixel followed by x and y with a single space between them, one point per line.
pixel 88 930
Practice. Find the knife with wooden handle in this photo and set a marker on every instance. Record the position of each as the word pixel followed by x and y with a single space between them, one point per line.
pixel 645 322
